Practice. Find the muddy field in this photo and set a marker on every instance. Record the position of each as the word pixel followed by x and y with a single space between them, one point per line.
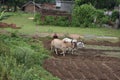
pixel 85 64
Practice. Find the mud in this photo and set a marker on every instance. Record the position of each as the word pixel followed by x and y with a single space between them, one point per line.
pixel 85 64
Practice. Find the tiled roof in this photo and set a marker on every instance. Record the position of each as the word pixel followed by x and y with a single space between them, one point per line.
pixel 31 2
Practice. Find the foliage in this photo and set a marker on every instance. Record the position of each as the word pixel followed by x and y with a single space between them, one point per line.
pixel 86 14
pixel 58 21
pixel 100 17
pixel 4 49
pixel 45 1
pixel 4 15
pixel 108 4
pixel 52 20
pixel 115 15
pixel 1 15
pixel 83 15
pixel 28 27
pixel 49 20
pixel 99 4
pixel 13 4
pixel 21 59
pixel 19 3
pixel 38 19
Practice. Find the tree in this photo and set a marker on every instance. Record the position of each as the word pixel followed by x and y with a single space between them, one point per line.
pixel 13 3
pixel 83 15
pixel 100 4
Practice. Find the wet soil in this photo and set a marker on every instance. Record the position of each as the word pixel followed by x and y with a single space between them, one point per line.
pixel 85 64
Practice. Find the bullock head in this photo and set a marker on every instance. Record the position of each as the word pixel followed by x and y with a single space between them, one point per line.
pixel 80 45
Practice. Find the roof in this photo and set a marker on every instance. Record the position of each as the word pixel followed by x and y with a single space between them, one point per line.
pixel 31 2
pixel 64 1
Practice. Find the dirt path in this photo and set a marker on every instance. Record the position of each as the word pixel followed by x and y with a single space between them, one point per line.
pixel 86 64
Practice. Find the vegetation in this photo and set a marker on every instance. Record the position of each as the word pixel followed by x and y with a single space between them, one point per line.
pixel 22 58
pixel 99 4
pixel 1 15
pixel 88 15
pixel 115 15
pixel 83 15
pixel 14 5
pixel 52 20
pixel 29 27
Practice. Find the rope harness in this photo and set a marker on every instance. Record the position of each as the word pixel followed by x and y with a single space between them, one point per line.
pixel 74 44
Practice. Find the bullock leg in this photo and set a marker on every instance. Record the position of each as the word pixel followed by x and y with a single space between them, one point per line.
pixel 56 51
pixel 63 53
pixel 51 47
pixel 72 51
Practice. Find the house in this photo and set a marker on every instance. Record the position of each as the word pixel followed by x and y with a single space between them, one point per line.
pixel 46 9
pixel 50 6
pixel 31 7
pixel 58 5
pixel 35 7
pixel 64 5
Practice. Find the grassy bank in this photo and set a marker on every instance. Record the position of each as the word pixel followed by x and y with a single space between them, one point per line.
pixel 22 59
pixel 29 27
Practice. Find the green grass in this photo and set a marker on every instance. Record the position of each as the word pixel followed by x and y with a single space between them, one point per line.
pixel 22 59
pixel 29 27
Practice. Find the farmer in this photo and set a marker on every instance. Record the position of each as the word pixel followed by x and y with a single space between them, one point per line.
pixel 55 36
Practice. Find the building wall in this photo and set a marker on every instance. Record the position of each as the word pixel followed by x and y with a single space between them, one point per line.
pixel 48 6
pixel 30 8
pixel 66 6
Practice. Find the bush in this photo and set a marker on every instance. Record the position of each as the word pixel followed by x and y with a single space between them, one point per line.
pixel 49 20
pixel 62 21
pixel 4 49
pixel 38 19
pixel 101 18
pixel 115 15
pixel 100 4
pixel 29 57
pixel 2 15
pixel 83 15
pixel 52 20
pixel 7 64
pixel 21 59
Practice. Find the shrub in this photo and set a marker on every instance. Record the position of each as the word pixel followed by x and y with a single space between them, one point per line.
pixel 7 64
pixel 4 49
pixel 101 18
pixel 52 20
pixel 38 19
pixel 62 21
pixel 2 15
pixel 22 59
pixel 100 4
pixel 22 54
pixel 29 57
pixel 115 15
pixel 49 20
pixel 83 15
